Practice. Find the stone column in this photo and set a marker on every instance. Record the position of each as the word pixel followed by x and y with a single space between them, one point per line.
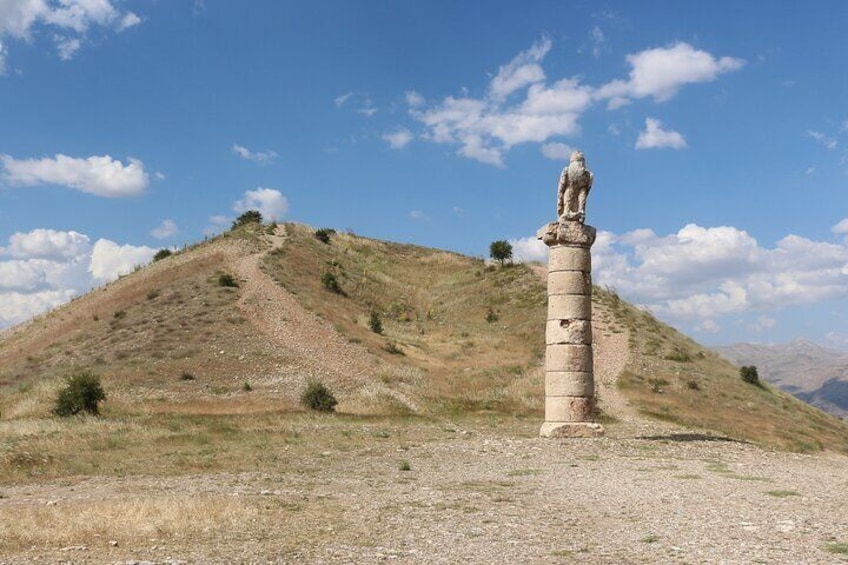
pixel 569 376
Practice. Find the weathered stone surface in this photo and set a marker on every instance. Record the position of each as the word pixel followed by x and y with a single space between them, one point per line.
pixel 574 332
pixel 562 258
pixel 569 307
pixel 568 358
pixel 569 384
pixel 575 234
pixel 548 233
pixel 571 430
pixel 567 234
pixel 569 408
pixel 569 282
pixel 574 185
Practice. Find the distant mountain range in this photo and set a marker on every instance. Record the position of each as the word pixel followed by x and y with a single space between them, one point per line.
pixel 815 374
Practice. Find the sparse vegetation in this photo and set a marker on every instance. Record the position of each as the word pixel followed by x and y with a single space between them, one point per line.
pixel 375 323
pixel 186 376
pixel 392 347
pixel 323 235
pixel 404 466
pixel 331 283
pixel 227 280
pixel 501 251
pixel 162 254
pixel 838 548
pixel 82 393
pixel 749 374
pixel 318 397
pixel 491 316
pixel 249 217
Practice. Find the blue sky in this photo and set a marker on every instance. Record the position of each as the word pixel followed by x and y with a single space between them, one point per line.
pixel 717 133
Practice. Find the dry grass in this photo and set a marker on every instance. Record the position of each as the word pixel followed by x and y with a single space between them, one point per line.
pixel 127 519
pixel 670 377
pixel 433 306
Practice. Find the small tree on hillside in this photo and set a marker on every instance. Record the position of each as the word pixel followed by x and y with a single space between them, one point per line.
pixel 749 375
pixel 249 217
pixel 82 393
pixel 162 254
pixel 501 251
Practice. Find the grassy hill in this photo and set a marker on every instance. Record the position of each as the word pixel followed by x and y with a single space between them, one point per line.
pixel 201 376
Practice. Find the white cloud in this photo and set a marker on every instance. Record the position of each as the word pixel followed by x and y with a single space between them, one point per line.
pixel 69 20
pixel 339 101
pixel 398 139
pixel 763 323
pixel 708 327
pixel 522 106
pixel 110 260
pixel 597 38
pixel 419 216
pixel 655 137
pixel 258 157
pixel 2 59
pixel 809 170
pixel 67 47
pixel 557 151
pixel 217 224
pixel 270 202
pixel 165 230
pixel 529 249
pixel 523 70
pixel 16 307
pixel 99 175
pixel 700 275
pixel 47 244
pixel 660 72
pixel 49 267
pixel 129 20
pixel 841 227
pixel 828 142
pixel 413 99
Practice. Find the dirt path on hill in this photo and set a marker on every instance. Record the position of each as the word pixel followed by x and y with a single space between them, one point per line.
pixel 317 350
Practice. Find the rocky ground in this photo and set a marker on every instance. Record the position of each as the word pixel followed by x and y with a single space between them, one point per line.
pixel 477 495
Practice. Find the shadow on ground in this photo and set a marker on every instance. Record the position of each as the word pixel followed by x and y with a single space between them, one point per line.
pixel 691 437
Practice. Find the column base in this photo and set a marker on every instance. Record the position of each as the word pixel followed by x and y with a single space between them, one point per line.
pixel 571 429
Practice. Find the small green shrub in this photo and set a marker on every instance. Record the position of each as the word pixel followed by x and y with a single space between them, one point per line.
pixel 162 254
pixel 119 315
pixel 186 376
pixel 692 384
pixel 82 393
pixel 249 217
pixel 246 387
pixel 153 293
pixel 750 375
pixel 318 397
pixel 227 280
pixel 323 235
pixel 491 316
pixel 375 323
pixel 404 466
pixel 329 281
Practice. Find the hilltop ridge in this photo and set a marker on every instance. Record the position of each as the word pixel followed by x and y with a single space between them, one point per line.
pixel 459 336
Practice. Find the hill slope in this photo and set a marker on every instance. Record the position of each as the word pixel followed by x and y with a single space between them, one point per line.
pixel 815 374
pixel 459 338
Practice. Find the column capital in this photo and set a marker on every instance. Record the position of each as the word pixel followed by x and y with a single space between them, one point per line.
pixel 567 232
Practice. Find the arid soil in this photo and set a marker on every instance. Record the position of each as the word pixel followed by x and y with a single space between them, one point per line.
pixel 471 495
